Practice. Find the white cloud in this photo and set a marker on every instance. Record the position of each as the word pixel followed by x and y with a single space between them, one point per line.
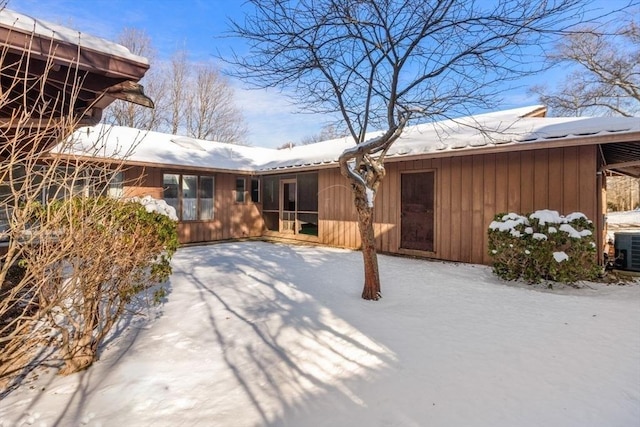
pixel 272 118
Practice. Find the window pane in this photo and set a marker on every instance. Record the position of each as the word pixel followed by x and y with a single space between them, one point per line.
pixel 255 190
pixel 170 186
pixel 116 186
pixel 308 224
pixel 308 192
pixel 271 220
pixel 290 196
pixel 240 189
pixel 189 197
pixel 270 199
pixel 206 198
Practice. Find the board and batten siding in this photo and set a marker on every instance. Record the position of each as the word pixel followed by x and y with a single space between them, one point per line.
pixel 469 191
pixel 231 220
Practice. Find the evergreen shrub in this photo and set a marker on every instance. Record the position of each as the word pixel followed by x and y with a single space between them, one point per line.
pixel 543 245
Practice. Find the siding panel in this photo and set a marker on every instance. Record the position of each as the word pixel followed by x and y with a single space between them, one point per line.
pixel 554 180
pixel 456 206
pixel 445 210
pixel 489 199
pixel 527 178
pixel 478 229
pixel 466 208
pixel 571 189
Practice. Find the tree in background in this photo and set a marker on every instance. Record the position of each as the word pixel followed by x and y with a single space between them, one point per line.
pixel 190 99
pixel 606 72
pixel 177 88
pixel 135 116
pixel 212 114
pixel 605 80
pixel 381 63
pixel 327 132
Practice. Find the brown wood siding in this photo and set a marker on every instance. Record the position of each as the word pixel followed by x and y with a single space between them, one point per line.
pixel 470 191
pixel 488 201
pixel 139 182
pixel 337 224
pixel 232 220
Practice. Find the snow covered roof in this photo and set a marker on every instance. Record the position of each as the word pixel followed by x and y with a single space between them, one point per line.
pixel 503 130
pixel 155 148
pixel 26 24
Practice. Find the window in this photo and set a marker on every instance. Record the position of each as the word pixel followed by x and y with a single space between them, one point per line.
pixel 189 197
pixel 240 190
pixel 255 190
pixel 206 198
pixel 192 196
pixel 170 185
pixel 116 186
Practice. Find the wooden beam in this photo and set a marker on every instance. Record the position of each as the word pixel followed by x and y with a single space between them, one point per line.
pixel 620 165
pixel 92 117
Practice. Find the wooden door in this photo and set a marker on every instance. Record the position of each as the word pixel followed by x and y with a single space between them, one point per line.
pixel 417 211
pixel 288 206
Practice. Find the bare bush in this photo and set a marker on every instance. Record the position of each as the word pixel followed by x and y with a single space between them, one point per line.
pixel 70 257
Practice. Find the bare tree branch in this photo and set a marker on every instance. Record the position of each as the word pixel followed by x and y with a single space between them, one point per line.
pixel 381 63
pixel 606 76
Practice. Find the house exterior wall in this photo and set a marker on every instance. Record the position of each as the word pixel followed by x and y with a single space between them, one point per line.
pixel 469 191
pixel 232 220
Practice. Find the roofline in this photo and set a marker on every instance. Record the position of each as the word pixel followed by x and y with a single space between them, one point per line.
pixel 43 46
pixel 501 148
pixel 137 163
pixel 526 146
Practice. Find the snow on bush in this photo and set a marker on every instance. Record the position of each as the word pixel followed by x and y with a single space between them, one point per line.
pixel 543 245
pixel 156 205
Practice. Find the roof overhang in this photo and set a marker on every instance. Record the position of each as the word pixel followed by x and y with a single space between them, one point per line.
pixel 54 76
pixel 622 158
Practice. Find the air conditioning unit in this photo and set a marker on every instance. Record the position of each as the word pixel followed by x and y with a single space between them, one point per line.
pixel 627 250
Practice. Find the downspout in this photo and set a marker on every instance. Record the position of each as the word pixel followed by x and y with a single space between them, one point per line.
pixel 601 210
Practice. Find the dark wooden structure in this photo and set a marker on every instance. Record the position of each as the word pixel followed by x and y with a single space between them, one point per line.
pixel 51 74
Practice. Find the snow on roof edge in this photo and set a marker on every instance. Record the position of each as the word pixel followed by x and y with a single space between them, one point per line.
pixel 418 140
pixel 24 23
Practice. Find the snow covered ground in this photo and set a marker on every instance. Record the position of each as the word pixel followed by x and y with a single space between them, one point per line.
pixel 622 222
pixel 260 334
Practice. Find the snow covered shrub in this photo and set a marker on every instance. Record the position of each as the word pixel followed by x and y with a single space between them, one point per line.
pixel 108 252
pixel 543 246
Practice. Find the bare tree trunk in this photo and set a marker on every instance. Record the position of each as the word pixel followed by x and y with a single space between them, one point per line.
pixel 371 290
pixel 364 207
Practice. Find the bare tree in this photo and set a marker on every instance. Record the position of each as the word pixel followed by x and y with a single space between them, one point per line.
pixel 606 72
pixel 623 193
pixel 178 78
pixel 122 113
pixel 211 112
pixel 68 262
pixel 192 99
pixel 327 132
pixel 380 63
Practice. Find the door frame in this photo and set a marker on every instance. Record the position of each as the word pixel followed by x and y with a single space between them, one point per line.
pixel 281 210
pixel 435 213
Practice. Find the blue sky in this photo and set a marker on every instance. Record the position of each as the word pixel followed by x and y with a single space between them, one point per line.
pixel 198 26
